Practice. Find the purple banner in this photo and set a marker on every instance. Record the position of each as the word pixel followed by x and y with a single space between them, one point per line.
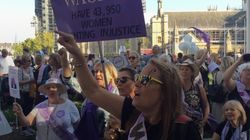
pixel 96 20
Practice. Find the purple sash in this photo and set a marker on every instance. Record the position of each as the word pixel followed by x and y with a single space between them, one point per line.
pixel 60 131
pixel 241 88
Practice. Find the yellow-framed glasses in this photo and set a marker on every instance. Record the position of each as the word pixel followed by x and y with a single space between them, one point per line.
pixel 145 79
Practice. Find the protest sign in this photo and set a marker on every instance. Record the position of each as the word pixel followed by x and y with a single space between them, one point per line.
pixel 95 20
pixel 13 82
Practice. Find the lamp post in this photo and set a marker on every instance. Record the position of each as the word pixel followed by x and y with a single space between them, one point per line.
pixel 235 39
pixel 224 28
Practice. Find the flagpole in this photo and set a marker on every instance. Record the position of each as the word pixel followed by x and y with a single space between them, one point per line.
pixel 103 66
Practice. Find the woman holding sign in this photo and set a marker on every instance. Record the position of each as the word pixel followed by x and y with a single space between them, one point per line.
pixel 156 110
pixel 55 118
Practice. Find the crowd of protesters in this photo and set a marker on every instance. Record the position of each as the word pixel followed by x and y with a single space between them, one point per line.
pixel 155 97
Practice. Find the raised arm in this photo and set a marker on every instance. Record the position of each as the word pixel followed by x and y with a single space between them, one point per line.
pixel 65 63
pixel 227 76
pixel 101 97
pixel 200 61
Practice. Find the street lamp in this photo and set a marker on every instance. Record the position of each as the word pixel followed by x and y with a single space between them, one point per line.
pixel 235 39
pixel 224 28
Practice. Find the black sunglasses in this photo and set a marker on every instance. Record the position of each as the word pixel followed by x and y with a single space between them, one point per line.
pixel 122 80
pixel 145 79
pixel 132 57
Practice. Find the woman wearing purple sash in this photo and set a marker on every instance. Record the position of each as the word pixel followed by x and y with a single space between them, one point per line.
pixel 239 89
pixel 55 118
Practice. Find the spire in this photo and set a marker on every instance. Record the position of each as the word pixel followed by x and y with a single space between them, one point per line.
pixel 160 8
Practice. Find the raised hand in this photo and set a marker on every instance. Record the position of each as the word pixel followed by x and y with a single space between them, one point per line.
pixel 17 109
pixel 67 40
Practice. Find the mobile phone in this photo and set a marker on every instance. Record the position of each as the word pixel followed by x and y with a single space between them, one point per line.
pixel 246 57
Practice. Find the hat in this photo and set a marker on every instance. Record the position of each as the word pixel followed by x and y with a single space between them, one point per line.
pixel 52 81
pixel 193 66
pixel 243 67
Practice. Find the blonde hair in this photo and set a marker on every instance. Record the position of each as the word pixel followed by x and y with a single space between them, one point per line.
pixel 236 105
pixel 110 69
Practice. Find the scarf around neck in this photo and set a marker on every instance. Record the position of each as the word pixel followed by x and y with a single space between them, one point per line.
pixel 241 88
pixel 237 134
pixel 138 130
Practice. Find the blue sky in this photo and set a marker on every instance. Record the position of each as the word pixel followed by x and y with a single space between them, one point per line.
pixel 16 15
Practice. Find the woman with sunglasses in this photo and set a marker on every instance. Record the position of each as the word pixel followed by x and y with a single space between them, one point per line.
pixel 155 112
pixel 134 61
pixel 126 86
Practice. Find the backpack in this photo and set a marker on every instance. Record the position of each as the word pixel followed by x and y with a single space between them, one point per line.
pixel 216 91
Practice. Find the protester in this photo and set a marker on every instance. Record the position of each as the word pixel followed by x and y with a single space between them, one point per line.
pixel 134 61
pixel 27 89
pixel 5 62
pixel 126 86
pixel 41 75
pixel 226 62
pixel 55 118
pixel 194 94
pixel 239 90
pixel 156 109
pixel 94 119
pixel 233 127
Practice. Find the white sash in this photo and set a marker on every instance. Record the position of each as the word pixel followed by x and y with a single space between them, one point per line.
pixel 138 131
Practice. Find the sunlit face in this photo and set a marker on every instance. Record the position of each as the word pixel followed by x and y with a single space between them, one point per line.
pixel 148 97
pixel 133 60
pixel 125 84
pixel 231 113
pixel 26 63
pixel 185 72
pixel 52 89
pixel 245 76
pixel 99 76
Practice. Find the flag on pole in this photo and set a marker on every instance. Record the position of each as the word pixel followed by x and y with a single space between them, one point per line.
pixel 205 36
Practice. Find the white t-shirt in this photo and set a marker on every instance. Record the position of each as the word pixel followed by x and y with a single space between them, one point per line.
pixel 65 114
pixel 5 63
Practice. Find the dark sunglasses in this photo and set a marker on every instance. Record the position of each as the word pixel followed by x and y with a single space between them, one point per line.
pixel 122 80
pixel 145 79
pixel 132 57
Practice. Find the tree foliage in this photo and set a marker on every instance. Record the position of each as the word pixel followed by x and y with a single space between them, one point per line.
pixel 42 41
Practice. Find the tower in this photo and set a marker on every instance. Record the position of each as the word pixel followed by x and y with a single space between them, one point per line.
pixel 160 8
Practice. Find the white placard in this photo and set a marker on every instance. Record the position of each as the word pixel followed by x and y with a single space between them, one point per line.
pixel 14 82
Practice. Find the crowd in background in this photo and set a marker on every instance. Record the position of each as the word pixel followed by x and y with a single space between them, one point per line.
pixel 166 94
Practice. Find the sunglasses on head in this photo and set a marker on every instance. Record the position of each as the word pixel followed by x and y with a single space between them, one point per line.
pixel 145 79
pixel 122 80
pixel 132 57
